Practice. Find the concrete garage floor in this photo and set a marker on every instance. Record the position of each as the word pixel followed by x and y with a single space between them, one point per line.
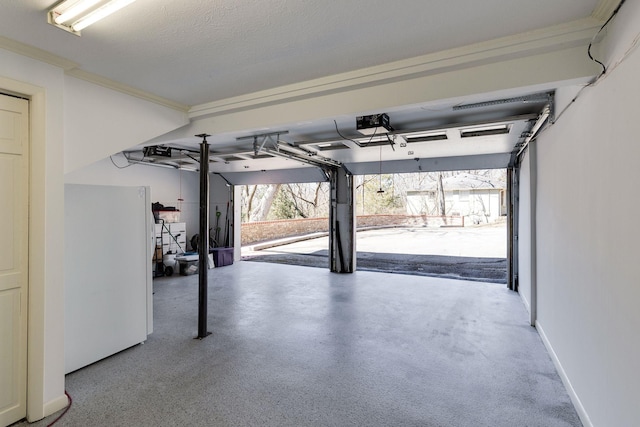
pixel 472 253
pixel 300 346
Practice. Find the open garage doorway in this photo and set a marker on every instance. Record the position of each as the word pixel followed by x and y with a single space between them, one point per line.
pixel 286 223
pixel 444 224
pixel 449 224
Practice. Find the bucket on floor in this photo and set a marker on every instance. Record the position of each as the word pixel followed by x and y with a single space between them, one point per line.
pixel 188 264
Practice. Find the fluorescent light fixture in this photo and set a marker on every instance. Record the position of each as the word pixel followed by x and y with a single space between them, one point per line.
pixel 374 141
pixel 100 13
pixel 74 10
pixel 326 146
pixel 485 131
pixel 75 15
pixel 425 137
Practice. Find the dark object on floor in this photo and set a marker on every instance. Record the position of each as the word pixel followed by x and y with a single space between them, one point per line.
pixel 222 256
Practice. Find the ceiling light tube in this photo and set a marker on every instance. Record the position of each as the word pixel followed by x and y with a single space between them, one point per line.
pixel 426 137
pixel 100 13
pixel 74 10
pixel 485 131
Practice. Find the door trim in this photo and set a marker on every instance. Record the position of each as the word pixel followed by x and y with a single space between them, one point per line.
pixel 37 408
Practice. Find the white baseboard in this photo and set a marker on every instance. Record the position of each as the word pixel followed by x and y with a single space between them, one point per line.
pixel 582 413
pixel 53 406
pixel 525 302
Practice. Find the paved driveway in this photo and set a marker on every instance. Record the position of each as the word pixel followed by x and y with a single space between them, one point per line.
pixel 473 253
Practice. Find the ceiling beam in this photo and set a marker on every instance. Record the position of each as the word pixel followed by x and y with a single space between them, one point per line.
pixel 500 78
pixel 547 39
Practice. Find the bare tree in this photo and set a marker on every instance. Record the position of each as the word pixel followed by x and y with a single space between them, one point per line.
pixel 250 194
pixel 261 211
pixel 442 208
pixel 311 200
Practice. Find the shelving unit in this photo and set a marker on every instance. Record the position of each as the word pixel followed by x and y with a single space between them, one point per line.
pixel 172 236
pixel 170 240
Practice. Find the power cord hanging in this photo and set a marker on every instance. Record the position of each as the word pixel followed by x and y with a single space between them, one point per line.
pixel 602 73
pixel 65 411
pixel 359 144
pixel 615 12
pixel 380 191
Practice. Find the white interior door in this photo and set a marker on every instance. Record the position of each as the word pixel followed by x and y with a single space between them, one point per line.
pixel 14 196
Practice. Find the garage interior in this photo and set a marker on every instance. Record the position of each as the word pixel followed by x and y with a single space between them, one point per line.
pixel 547 94
pixel 315 348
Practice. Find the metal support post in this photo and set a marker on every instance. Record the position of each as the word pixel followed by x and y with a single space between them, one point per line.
pixel 342 223
pixel 510 230
pixel 203 246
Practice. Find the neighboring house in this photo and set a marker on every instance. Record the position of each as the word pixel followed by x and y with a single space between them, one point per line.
pixel 478 199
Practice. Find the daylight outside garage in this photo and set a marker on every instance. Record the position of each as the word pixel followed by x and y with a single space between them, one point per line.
pixel 446 224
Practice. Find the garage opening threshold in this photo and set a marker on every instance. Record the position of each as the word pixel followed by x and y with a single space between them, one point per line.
pixel 310 250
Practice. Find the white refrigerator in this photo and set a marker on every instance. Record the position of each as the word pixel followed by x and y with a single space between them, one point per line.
pixel 108 271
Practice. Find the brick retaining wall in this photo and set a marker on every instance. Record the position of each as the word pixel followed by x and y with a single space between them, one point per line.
pixel 253 232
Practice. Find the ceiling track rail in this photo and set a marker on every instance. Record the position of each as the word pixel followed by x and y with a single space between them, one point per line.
pixel 146 161
pixel 309 158
pixel 530 135
pixel 270 143
pixel 278 149
pixel 537 98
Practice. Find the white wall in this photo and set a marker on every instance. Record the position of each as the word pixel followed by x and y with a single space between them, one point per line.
pixel 587 241
pixel 167 185
pixel 43 84
pixel 99 122
pixel 524 233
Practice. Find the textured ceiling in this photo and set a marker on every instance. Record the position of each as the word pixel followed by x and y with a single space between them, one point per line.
pixel 198 51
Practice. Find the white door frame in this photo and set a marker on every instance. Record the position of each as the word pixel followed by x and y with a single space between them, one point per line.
pixel 36 305
pixel 14 277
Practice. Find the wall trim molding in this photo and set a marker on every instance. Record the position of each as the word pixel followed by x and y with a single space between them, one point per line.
pixel 604 9
pixel 548 39
pixel 577 403
pixel 36 53
pixel 128 90
pixel 73 69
